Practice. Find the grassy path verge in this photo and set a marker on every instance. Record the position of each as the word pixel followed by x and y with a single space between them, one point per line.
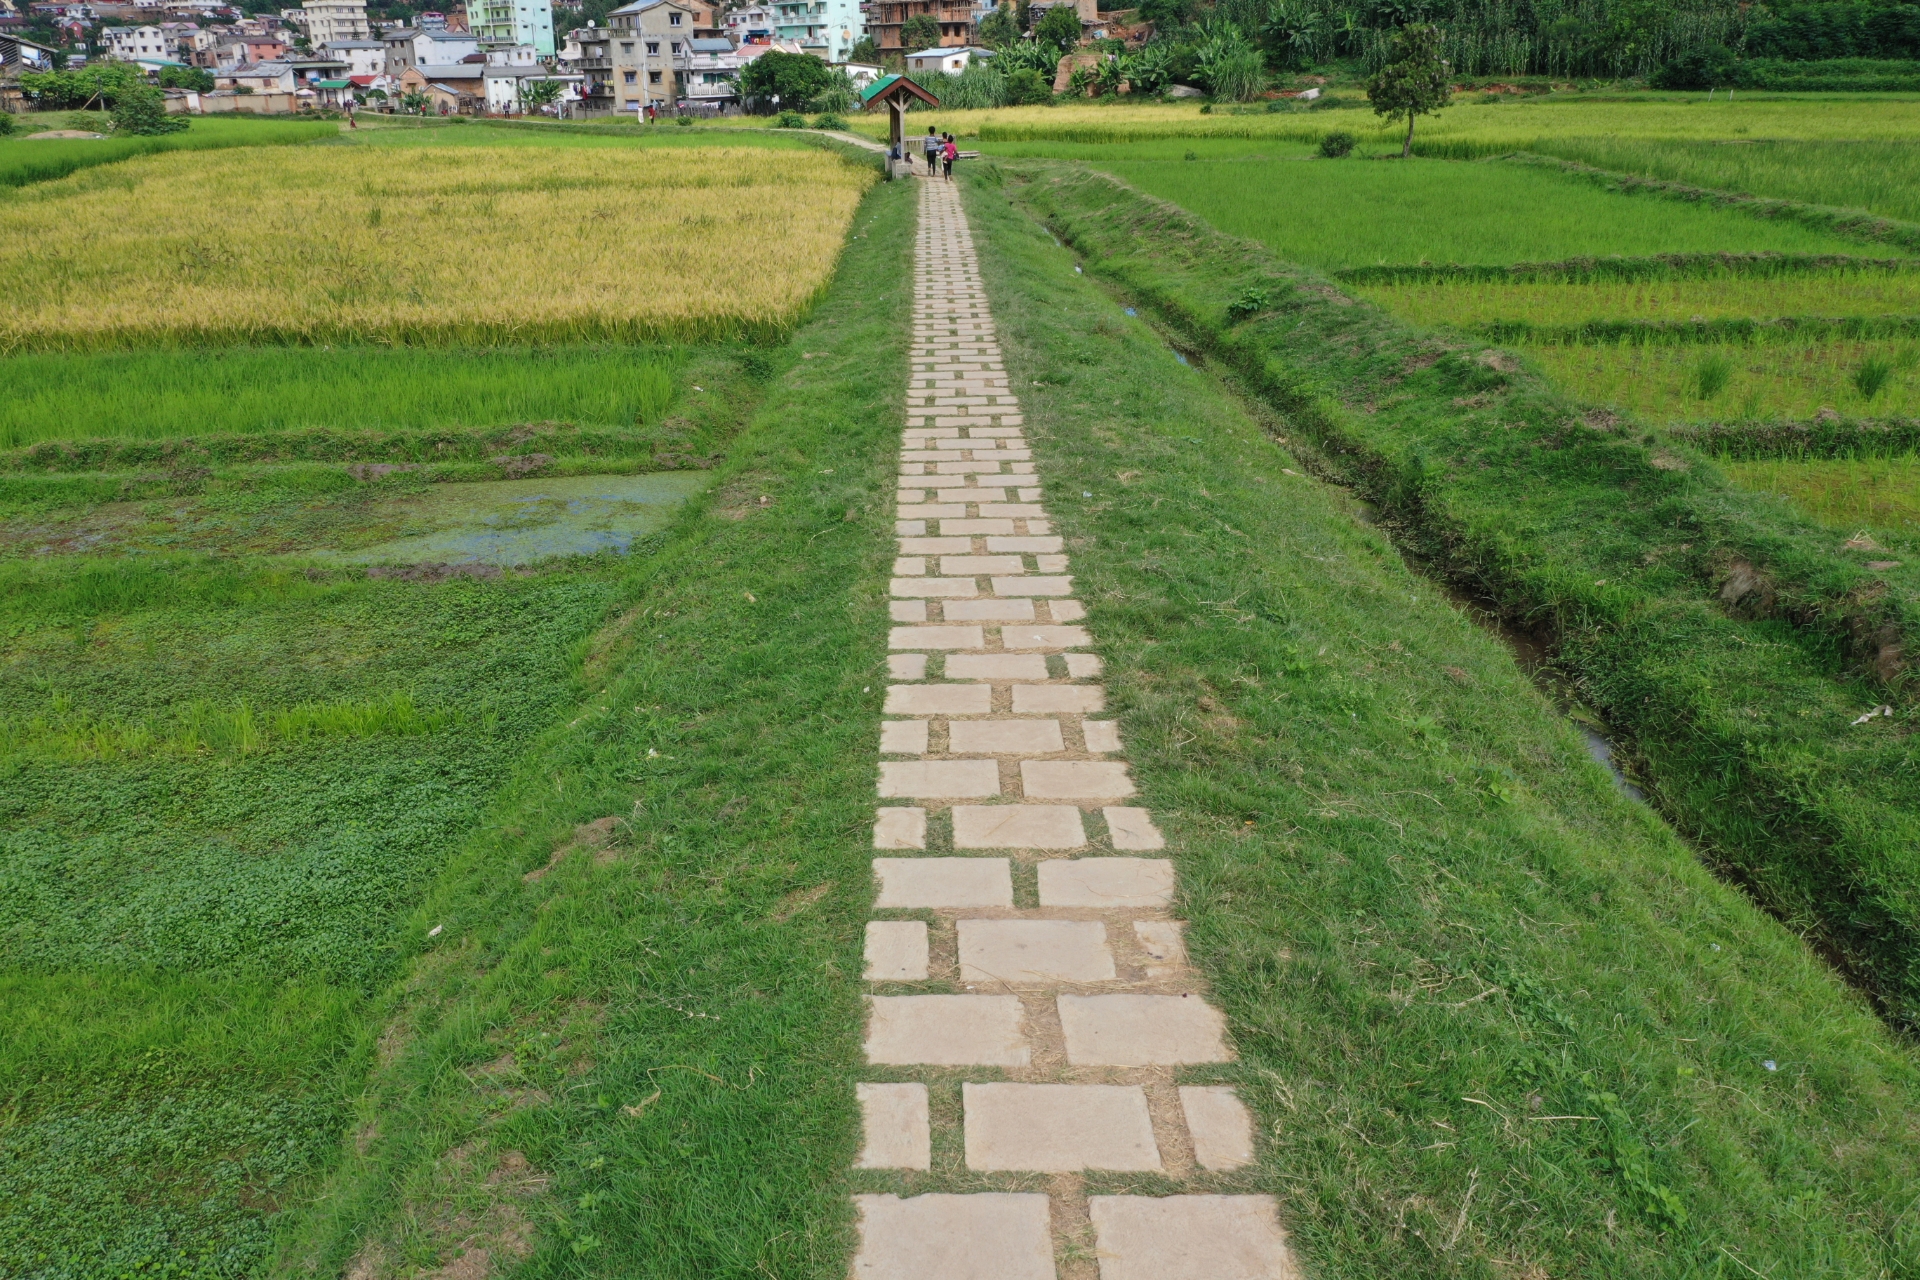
pixel 1731 640
pixel 630 1047
pixel 1494 1019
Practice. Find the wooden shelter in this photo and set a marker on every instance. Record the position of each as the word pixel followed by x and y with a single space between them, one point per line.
pixel 896 93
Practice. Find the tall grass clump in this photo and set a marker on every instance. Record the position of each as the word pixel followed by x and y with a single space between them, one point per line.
pixel 24 161
pixel 1872 376
pixel 201 727
pixel 1711 374
pixel 187 249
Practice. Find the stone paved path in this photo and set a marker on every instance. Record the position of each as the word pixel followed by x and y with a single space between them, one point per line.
pixel 1022 940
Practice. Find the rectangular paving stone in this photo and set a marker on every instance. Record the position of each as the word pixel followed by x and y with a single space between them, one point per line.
pixel 894 1122
pixel 1074 780
pixel 1050 564
pixel 1049 699
pixel 907 610
pixel 946 1031
pixel 982 564
pixel 932 588
pixel 1132 829
pixel 1057 1128
pixel 943 882
pixel 910 566
pixel 904 737
pixel 1100 735
pixel 1142 1031
pixel 1017 826
pixel 1034 585
pixel 1003 737
pixel 989 610
pixel 1084 666
pixel 900 828
pixel 1190 1238
pixel 930 511
pixel 939 699
pixel 1220 1126
pixel 940 779
pixel 990 1236
pixel 935 546
pixel 1110 884
pixel 996 666
pixel 907 666
pixel 1164 941
pixel 973 527
pixel 1023 952
pixel 896 951
pixel 1065 610
pixel 1013 510
pixel 1044 637
pixel 909 528
pixel 1028 545
pixel 936 638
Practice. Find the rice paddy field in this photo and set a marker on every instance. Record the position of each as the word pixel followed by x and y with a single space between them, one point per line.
pixel 25 159
pixel 420 244
pixel 322 460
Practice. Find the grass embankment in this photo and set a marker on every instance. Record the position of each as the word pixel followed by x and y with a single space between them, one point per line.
pixel 431 247
pixel 25 160
pixel 649 1050
pixel 1493 1018
pixel 1730 639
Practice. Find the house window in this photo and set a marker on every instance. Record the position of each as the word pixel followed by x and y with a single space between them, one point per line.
pixel 653 48
pixel 626 46
pixel 653 77
pixel 674 47
pixel 673 19
pixel 630 77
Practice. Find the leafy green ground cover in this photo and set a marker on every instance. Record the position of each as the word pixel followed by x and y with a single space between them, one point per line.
pixel 251 389
pixel 1344 213
pixel 24 160
pixel 1730 640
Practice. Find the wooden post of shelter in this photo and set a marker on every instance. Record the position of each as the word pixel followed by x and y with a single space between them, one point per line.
pixel 896 93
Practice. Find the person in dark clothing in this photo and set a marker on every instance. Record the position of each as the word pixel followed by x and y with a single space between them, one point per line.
pixel 930 149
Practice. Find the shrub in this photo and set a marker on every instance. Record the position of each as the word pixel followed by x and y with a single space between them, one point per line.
pixel 1336 144
pixel 144 115
pixel 683 119
pixel 790 120
pixel 6 123
pixel 828 120
pixel 1028 88
pixel 1709 67
pixel 1872 376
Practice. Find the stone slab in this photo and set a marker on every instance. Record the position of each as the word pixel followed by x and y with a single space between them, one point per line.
pixel 1164 941
pixel 935 546
pixel 946 1031
pixel 909 528
pixel 1142 1031
pixel 907 610
pixel 1050 564
pixel 1049 699
pixel 990 610
pixel 1100 735
pixel 936 588
pixel 910 566
pixel 939 699
pixel 1075 780
pixel 993 1236
pixel 1044 637
pixel 1133 884
pixel 936 638
pixel 896 951
pixel 1024 952
pixel 894 1120
pixel 1065 610
pixel 1190 1238
pixel 940 779
pixel 1221 1127
pixel 1058 1128
pixel 904 737
pixel 907 666
pixel 1084 666
pixel 1017 826
pixel 966 527
pixel 931 511
pixel 1132 829
pixel 900 828
pixel 982 564
pixel 1036 585
pixel 1003 737
pixel 943 882
pixel 1028 545
pixel 996 666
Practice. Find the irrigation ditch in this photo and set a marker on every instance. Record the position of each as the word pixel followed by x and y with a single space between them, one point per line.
pixel 1709 642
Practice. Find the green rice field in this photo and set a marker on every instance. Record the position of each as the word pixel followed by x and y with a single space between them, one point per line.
pixel 1775 380
pixel 25 159
pixel 1346 213
pixel 1846 495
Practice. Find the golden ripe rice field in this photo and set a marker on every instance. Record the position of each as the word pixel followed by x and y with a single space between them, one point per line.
pixel 422 245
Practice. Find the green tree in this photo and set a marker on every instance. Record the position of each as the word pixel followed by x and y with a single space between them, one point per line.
pixel 1027 87
pixel 1060 28
pixel 415 101
pixel 792 77
pixel 1416 81
pixel 100 85
pixel 143 114
pixel 919 32
pixel 866 51
pixel 198 79
pixel 999 29
pixel 535 94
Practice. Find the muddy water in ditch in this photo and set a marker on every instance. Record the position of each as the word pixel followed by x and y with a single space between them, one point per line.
pixel 516 522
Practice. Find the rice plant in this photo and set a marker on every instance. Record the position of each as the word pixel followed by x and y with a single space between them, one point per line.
pixel 1711 374
pixel 1778 382
pixel 1872 376
pixel 191 249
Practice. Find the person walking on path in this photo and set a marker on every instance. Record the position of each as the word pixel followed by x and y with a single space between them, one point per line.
pixel 930 148
pixel 948 154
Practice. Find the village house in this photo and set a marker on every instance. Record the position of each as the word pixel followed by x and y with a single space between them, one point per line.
pixel 417 47
pixel 513 22
pixel 362 57
pixel 651 50
pixel 503 85
pixel 951 61
pixel 886 19
pixel 750 25
pixel 331 20
pixel 131 44
pixel 260 77
pixel 828 29
pixel 458 89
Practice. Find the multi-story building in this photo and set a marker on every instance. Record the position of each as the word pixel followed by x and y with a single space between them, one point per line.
pixel 513 22
pixel 712 76
pixel 588 53
pixel 331 20
pixel 651 50
pixel 415 47
pixel 133 44
pixel 751 24
pixel 885 18
pixel 825 28
pixel 363 57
